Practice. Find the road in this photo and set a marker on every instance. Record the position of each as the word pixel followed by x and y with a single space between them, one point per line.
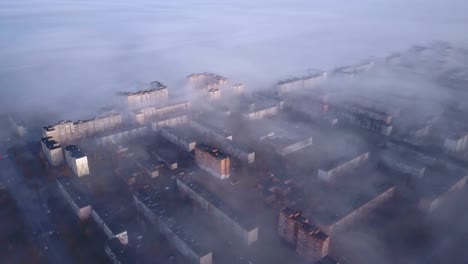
pixel 32 202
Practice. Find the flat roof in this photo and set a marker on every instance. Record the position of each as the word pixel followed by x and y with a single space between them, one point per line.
pixel 50 143
pixel 75 151
pixel 181 132
pixel 342 159
pixel 246 221
pixel 164 214
pixel 214 124
pixel 76 190
pixel 302 78
pixel 123 253
pixel 212 151
pixel 111 217
pixel 435 181
pixel 155 86
pixel 326 260
pixel 341 198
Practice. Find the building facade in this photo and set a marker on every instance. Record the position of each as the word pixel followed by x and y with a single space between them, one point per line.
pixel 312 243
pixel 150 113
pixel 213 161
pixel 158 93
pixel 52 151
pixel 76 160
pixel 336 168
pixel 66 131
pixel 76 196
pixel 241 227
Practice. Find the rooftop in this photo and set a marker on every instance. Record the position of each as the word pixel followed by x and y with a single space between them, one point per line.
pixel 182 132
pixel 76 190
pixel 342 159
pixel 75 151
pixel 213 151
pixel 246 221
pixel 124 254
pixel 50 143
pixel 164 214
pixel 111 218
pixel 352 191
pixel 302 78
pixel 154 87
pixel 326 260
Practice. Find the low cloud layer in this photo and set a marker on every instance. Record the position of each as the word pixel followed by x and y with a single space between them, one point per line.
pixel 67 53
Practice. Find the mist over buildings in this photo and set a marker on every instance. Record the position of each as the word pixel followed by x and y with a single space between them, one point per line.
pixel 72 53
pixel 65 59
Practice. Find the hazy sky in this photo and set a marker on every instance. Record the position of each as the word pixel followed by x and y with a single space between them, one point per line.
pixel 56 51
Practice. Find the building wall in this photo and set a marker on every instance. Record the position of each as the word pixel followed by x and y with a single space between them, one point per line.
pixel 54 156
pixel 83 213
pixel 122 236
pixel 288 228
pixel 179 141
pixel 296 146
pixel 120 136
pixel 310 246
pixel 344 167
pixel 303 83
pixel 66 131
pixel 456 145
pixel 247 236
pixel 260 114
pixel 172 237
pixel 217 167
pixel 431 205
pixel 149 113
pixel 171 122
pixel 147 98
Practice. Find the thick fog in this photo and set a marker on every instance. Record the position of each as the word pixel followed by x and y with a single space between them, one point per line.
pixel 73 53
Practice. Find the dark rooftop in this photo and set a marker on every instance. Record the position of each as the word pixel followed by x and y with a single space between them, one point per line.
pixel 50 143
pixel 124 254
pixel 75 151
pixel 213 151
pixel 246 221
pixel 326 260
pixel 76 190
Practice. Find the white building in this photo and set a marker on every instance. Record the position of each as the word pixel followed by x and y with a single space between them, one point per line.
pixel 52 151
pixel 76 160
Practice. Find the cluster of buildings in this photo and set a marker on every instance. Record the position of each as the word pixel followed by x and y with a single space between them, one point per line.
pixel 109 221
pixel 348 187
